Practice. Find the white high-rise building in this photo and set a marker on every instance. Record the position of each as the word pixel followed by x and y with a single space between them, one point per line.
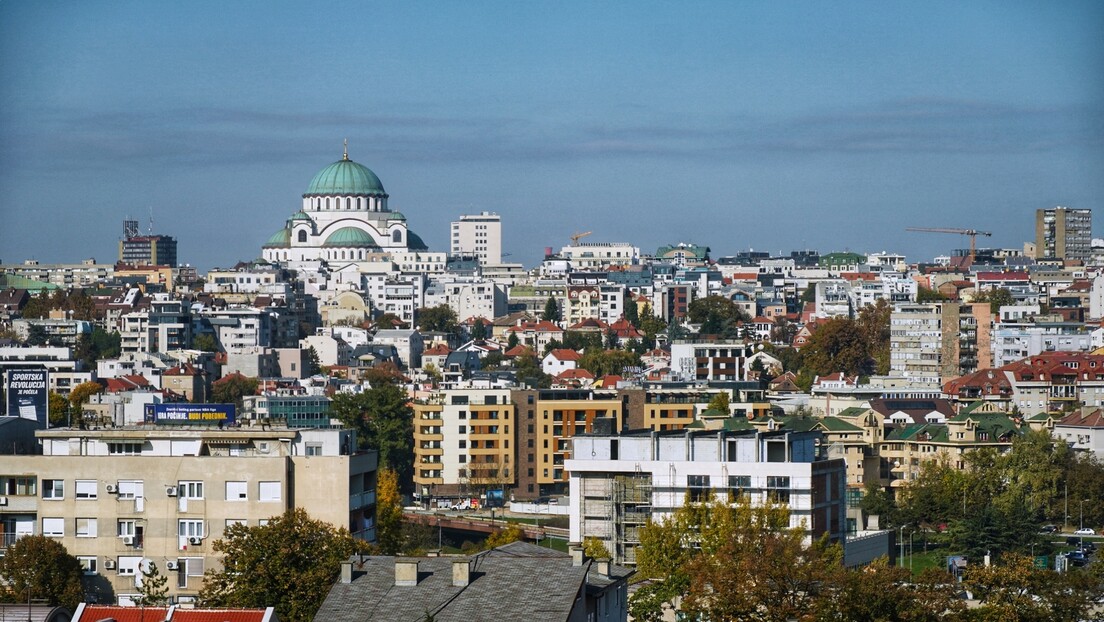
pixel 479 235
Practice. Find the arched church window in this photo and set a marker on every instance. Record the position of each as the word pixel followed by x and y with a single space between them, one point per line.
pixel 396 237
pixel 327 202
pixel 302 235
pixel 348 203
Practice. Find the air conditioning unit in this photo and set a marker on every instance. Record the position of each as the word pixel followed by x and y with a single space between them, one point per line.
pixel 172 565
pixel 171 491
pixel 109 564
pixel 195 540
pixel 262 447
pixel 3 500
pixel 128 540
pixel 112 488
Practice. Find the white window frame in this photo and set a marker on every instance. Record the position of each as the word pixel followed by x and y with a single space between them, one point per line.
pixel 91 527
pixel 236 521
pixel 86 489
pixel 237 491
pixel 127 565
pixel 131 489
pixel 192 490
pixel 89 564
pixel 189 567
pixel 53 489
pixel 126 527
pixel 53 526
pixel 190 528
pixel 265 491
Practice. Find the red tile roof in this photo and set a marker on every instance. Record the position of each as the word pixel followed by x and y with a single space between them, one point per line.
pixel 219 615
pixel 94 613
pixel 563 354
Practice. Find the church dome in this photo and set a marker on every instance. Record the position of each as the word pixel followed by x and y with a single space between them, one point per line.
pixel 345 178
pixel 396 216
pixel 350 237
pixel 280 239
pixel 300 215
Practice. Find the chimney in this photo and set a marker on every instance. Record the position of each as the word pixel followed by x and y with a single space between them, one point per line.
pixel 603 567
pixel 461 573
pixel 577 556
pixel 346 572
pixel 406 572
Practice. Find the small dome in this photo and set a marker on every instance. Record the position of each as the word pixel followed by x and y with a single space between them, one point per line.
pixel 280 239
pixel 300 215
pixel 344 178
pixel 396 216
pixel 347 237
pixel 414 242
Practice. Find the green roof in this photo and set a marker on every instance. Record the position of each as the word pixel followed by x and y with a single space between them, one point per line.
pixel 346 177
pixel 346 237
pixel 835 424
pixel 396 216
pixel 300 215
pixel 414 242
pixel 280 239
pixel 13 281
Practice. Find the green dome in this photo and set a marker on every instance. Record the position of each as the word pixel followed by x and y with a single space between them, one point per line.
pixel 346 237
pixel 280 239
pixel 396 216
pixel 344 178
pixel 300 215
pixel 414 242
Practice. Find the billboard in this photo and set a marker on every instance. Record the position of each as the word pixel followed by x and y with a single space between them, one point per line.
pixel 203 414
pixel 27 389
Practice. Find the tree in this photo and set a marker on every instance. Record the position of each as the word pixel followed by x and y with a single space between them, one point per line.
pixel 809 295
pixel 479 329
pixel 384 421
pixel 632 310
pixel 80 393
pixel 837 345
pixel 388 321
pixel 58 409
pixel 205 342
pixel 512 533
pixel 388 512
pixel 512 341
pixel 40 567
pixel 439 319
pixel 594 549
pixel 923 294
pixel 717 315
pixel 289 563
pixel 232 388
pixel 720 402
pixel 607 362
pixel 1014 589
pixel 880 591
pixel 551 310
pixel 314 363
pixel 154 590
pixel 651 326
pixel 997 297
pixel 873 325
pixel 36 335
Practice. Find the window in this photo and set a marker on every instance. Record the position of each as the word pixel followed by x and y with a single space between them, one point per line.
pixel 236 491
pixel 269 491
pixel 53 527
pixel 86 528
pixel 53 489
pixel 778 488
pixel 131 489
pixel 88 563
pixel 190 490
pixel 189 567
pixel 125 527
pixel 463 429
pixel 18 486
pixel 128 565
pixel 463 414
pixel 235 521
pixel 189 528
pixel 314 449
pixel 464 443
pixel 698 486
pixel 124 449
pixel 738 485
pixel 463 459
pixel 86 489
pixel 302 235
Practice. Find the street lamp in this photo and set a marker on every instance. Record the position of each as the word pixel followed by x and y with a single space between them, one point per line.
pixel 1083 513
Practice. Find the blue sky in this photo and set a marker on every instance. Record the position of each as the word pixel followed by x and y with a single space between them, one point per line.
pixel 766 125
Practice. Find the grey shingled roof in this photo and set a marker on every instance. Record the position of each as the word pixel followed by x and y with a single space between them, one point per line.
pixel 518 581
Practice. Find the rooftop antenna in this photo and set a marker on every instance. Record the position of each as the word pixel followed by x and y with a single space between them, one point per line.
pixel 345 156
pixel 151 220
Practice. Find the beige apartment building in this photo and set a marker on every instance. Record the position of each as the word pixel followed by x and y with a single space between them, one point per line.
pixel 119 498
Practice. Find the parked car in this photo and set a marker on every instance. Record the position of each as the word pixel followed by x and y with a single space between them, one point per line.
pixel 1049 528
pixel 1085 531
pixel 1073 540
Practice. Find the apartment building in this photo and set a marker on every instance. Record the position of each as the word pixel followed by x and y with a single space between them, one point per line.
pixel 479 235
pixel 719 360
pixel 932 343
pixel 464 442
pixel 114 497
pixel 620 481
pixel 1063 233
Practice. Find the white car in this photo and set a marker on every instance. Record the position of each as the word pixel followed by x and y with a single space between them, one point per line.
pixel 1084 532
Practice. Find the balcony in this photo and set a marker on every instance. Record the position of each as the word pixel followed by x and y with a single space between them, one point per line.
pixel 362 499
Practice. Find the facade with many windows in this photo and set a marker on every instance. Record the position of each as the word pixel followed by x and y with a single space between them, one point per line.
pixel 118 496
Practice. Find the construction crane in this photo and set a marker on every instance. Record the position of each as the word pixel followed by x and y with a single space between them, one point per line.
pixel 973 233
pixel 578 236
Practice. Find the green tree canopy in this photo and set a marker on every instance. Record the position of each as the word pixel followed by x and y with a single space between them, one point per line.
pixel 997 297
pixel 605 362
pixel 716 315
pixel 837 345
pixel 154 590
pixel 205 342
pixel 289 563
pixel 232 388
pixel 440 319
pixel 551 310
pixel 38 567
pixel 384 421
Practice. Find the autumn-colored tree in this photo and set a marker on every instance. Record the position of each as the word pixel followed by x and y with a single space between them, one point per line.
pixel 595 549
pixel 837 345
pixel 388 512
pixel 38 567
pixel 1014 589
pixel 58 409
pixel 80 394
pixel 290 563
pixel 880 591
pixel 512 533
pixel 720 402
pixel 873 325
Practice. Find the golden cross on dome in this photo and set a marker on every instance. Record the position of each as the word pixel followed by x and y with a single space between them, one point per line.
pixel 346 156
